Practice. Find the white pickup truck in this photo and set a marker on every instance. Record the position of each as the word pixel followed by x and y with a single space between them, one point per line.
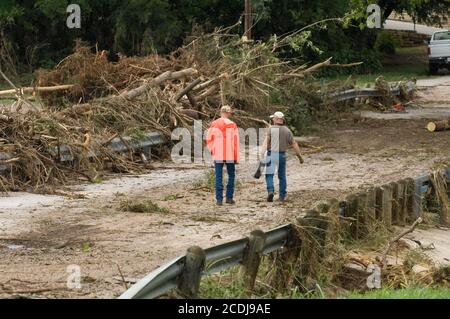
pixel 439 51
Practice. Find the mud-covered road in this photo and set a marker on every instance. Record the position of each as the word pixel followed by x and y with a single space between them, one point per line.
pixel 40 236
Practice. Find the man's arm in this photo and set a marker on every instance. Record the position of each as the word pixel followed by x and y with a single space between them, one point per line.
pixel 296 147
pixel 236 145
pixel 297 150
pixel 209 139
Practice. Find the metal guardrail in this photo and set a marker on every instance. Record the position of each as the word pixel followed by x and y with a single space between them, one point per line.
pixel 116 145
pixel 230 254
pixel 358 93
pixel 218 258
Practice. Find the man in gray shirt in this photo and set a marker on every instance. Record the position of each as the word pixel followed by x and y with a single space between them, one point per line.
pixel 278 139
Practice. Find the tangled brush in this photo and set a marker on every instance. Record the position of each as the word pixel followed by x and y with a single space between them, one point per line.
pixel 136 95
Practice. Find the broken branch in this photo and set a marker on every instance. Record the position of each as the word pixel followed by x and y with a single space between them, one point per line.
pixel 398 237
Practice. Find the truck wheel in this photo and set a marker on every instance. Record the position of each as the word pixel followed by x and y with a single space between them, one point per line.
pixel 433 69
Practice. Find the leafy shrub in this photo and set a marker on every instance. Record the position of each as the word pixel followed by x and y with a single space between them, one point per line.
pixel 385 43
pixel 370 58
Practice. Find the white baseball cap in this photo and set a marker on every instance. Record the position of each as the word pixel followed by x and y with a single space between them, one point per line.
pixel 279 115
pixel 226 109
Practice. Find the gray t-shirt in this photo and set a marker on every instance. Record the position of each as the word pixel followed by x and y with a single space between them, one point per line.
pixel 280 138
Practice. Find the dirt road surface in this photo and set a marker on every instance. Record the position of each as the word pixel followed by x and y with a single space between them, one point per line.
pixel 40 236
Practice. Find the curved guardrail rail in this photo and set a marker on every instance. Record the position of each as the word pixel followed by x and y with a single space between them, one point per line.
pixel 118 145
pixel 217 259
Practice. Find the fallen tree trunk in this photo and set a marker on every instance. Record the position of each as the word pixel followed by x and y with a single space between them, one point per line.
pixel 166 76
pixel 37 89
pixel 132 94
pixel 211 82
pixel 439 125
pixel 301 75
pixel 187 89
pixel 211 91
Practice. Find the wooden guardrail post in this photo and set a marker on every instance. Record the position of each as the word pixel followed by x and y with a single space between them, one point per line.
pixel 410 198
pixel 386 205
pixel 395 204
pixel 352 213
pixel 285 262
pixel 252 260
pixel 402 200
pixel 361 226
pixel 379 204
pixel 189 283
pixel 371 215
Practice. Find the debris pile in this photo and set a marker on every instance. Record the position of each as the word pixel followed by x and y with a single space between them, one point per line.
pixel 86 101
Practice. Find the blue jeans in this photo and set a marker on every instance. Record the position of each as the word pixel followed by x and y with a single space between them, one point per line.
pixel 276 160
pixel 231 170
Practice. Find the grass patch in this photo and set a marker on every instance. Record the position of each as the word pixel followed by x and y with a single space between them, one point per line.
pixel 86 247
pixel 226 285
pixel 378 236
pixel 405 64
pixel 143 206
pixel 7 102
pixel 208 181
pixel 173 197
pixel 391 73
pixel 410 293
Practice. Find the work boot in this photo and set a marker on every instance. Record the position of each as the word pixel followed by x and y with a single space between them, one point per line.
pixel 219 203
pixel 270 198
pixel 282 199
pixel 230 201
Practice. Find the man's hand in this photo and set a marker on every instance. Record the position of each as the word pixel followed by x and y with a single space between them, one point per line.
pixel 300 158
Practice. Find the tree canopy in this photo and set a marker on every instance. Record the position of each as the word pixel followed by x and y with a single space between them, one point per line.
pixel 36 30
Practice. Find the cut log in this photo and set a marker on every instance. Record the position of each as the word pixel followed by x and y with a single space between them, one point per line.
pixel 439 125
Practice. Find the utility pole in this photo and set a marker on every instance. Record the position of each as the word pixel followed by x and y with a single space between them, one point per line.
pixel 248 19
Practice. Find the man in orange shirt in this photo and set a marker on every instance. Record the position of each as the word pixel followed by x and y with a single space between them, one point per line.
pixel 223 143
